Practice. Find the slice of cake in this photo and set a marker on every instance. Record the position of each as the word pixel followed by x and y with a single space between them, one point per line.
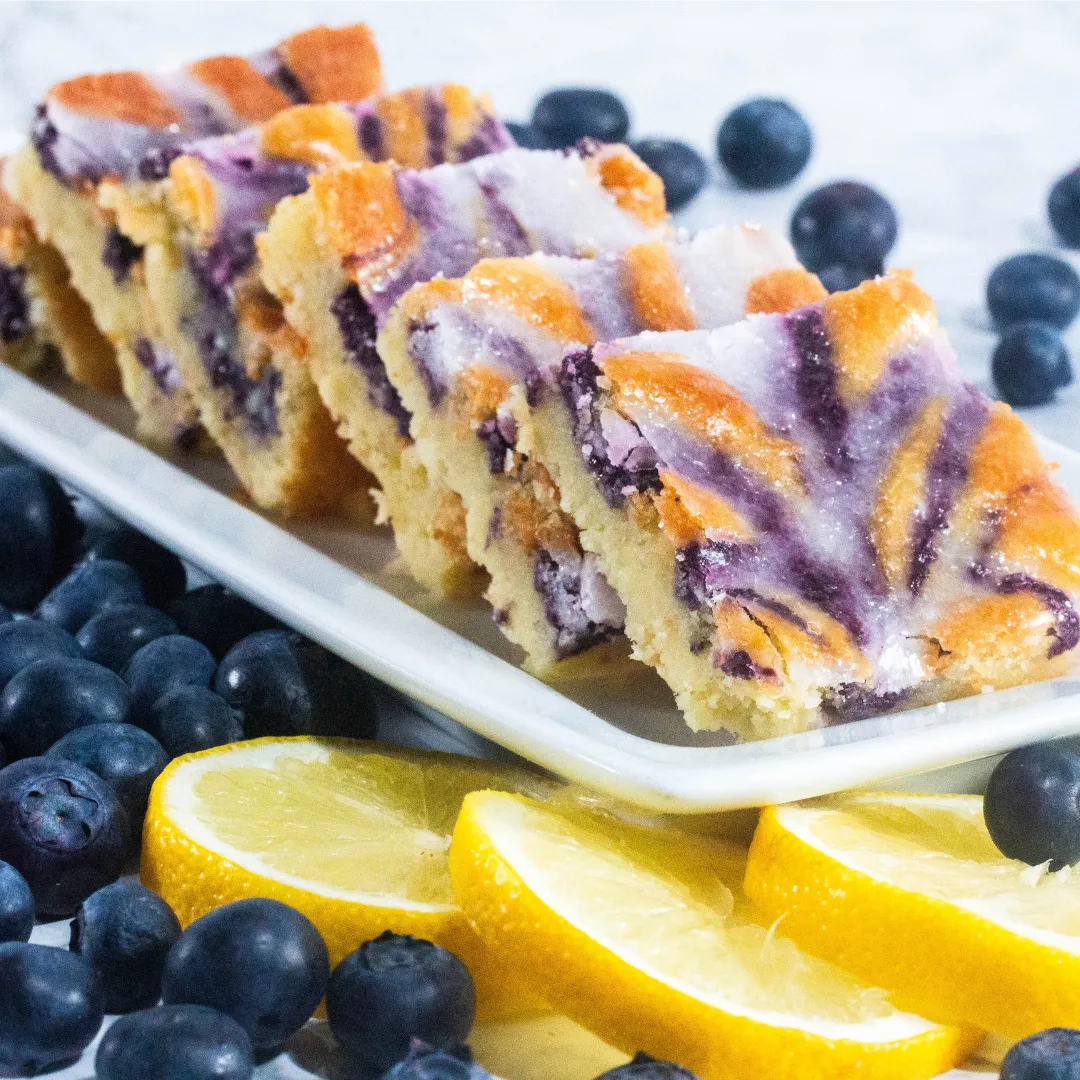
pixel 339 256
pixel 41 315
pixel 97 133
pixel 237 357
pixel 811 517
pixel 469 355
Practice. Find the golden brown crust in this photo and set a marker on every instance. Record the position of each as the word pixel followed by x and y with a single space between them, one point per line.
pixel 250 95
pixel 656 291
pixel 783 290
pixel 192 193
pixel 334 63
pixel 118 95
pixel 636 188
pixel 318 135
pixel 404 129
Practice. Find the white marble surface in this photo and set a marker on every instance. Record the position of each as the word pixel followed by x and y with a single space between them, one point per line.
pixel 962 114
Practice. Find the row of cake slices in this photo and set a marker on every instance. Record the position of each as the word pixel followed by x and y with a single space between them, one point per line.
pixel 790 503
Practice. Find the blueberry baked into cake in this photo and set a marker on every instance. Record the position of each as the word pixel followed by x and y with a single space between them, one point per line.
pixel 340 255
pixel 467 355
pixel 236 356
pixel 810 517
pixel 41 315
pixel 102 139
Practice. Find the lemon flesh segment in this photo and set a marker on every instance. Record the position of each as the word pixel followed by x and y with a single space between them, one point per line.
pixel 354 835
pixel 910 890
pixel 643 936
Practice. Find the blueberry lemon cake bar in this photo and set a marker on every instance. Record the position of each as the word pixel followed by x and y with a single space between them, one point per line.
pixel 340 255
pixel 40 313
pixel 98 139
pixel 467 354
pixel 810 517
pixel 238 358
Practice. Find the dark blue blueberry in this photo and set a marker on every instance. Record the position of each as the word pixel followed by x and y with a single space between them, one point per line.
pixel 393 990
pixel 426 1063
pixel 111 638
pixel 643 1067
pixel 840 277
pixel 257 960
pixel 124 932
pixel 764 143
pixel 26 641
pixel 119 254
pixel 1032 804
pixel 680 166
pixel 1033 286
pixel 5 615
pixel 175 1042
pixel 287 685
pixel 92 587
pixel 218 618
pixel 161 572
pixel 16 905
pixel 524 135
pixel 192 718
pixel 163 665
pixel 39 535
pixel 845 223
pixel 127 758
pixel 1053 1054
pixel 8 457
pixel 1030 363
pixel 51 697
pixel 50 1009
pixel 1063 207
pixel 63 828
pixel 562 117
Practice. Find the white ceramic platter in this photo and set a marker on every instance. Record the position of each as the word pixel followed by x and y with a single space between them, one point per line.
pixel 339 585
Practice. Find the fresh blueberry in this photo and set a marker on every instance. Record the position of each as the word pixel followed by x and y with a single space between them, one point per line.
pixel 1033 286
pixel 50 1008
pixel 426 1063
pixel 1030 363
pixel 764 143
pixel 51 697
pixel 8 457
pixel 192 718
pixel 840 277
pixel 562 117
pixel 1053 1054
pixel 218 618
pixel 161 572
pixel 16 905
pixel 395 989
pixel 845 223
pixel 287 685
pixel 124 932
pixel 39 534
pixel 1063 207
pixel 5 615
pixel 524 135
pixel 163 665
pixel 90 588
pixel 175 1042
pixel 113 637
pixel 680 166
pixel 26 641
pixel 258 960
pixel 1032 804
pixel 643 1067
pixel 63 828
pixel 127 758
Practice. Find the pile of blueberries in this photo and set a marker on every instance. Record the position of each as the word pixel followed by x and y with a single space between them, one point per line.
pixel 844 230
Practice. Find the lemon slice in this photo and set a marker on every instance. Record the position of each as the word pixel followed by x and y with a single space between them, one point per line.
pixel 642 936
pixel 910 890
pixel 353 834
